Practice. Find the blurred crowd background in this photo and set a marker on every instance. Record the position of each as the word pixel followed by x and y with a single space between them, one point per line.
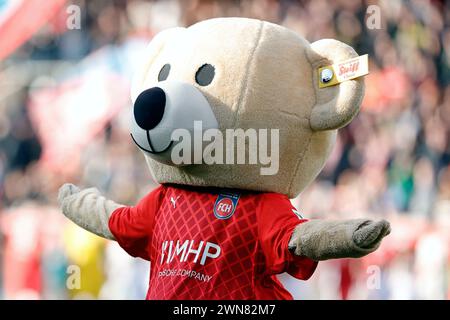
pixel 64 111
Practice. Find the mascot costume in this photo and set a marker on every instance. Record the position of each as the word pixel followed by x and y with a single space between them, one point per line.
pixel 220 230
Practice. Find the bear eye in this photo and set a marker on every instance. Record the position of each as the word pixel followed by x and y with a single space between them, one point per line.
pixel 164 73
pixel 205 74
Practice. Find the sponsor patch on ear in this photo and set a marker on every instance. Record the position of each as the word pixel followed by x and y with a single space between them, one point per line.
pixel 346 70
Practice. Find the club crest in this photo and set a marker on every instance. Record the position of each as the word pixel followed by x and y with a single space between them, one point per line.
pixel 225 205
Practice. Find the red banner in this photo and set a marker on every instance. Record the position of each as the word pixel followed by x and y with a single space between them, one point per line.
pixel 20 19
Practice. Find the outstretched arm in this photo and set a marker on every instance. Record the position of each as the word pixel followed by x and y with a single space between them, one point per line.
pixel 322 240
pixel 87 208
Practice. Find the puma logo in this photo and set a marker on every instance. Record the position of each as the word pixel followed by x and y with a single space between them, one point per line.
pixel 174 201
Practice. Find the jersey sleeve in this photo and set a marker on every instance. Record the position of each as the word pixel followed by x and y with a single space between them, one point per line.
pixel 277 219
pixel 132 226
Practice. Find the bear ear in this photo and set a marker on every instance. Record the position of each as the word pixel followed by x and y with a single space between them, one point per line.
pixel 335 105
pixel 148 57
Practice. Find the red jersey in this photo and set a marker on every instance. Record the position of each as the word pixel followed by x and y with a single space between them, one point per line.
pixel 212 244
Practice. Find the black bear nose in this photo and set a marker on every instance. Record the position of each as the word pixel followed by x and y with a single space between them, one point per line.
pixel 149 108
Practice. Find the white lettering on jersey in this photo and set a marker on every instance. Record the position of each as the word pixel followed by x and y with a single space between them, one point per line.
pixel 204 250
pixel 179 249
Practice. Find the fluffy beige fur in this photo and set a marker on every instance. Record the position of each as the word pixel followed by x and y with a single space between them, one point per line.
pixel 266 77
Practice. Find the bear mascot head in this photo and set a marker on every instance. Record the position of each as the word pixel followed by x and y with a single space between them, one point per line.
pixel 242 74
pixel 234 117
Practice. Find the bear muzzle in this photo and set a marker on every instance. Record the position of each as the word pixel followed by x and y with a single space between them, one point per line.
pixel 160 110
